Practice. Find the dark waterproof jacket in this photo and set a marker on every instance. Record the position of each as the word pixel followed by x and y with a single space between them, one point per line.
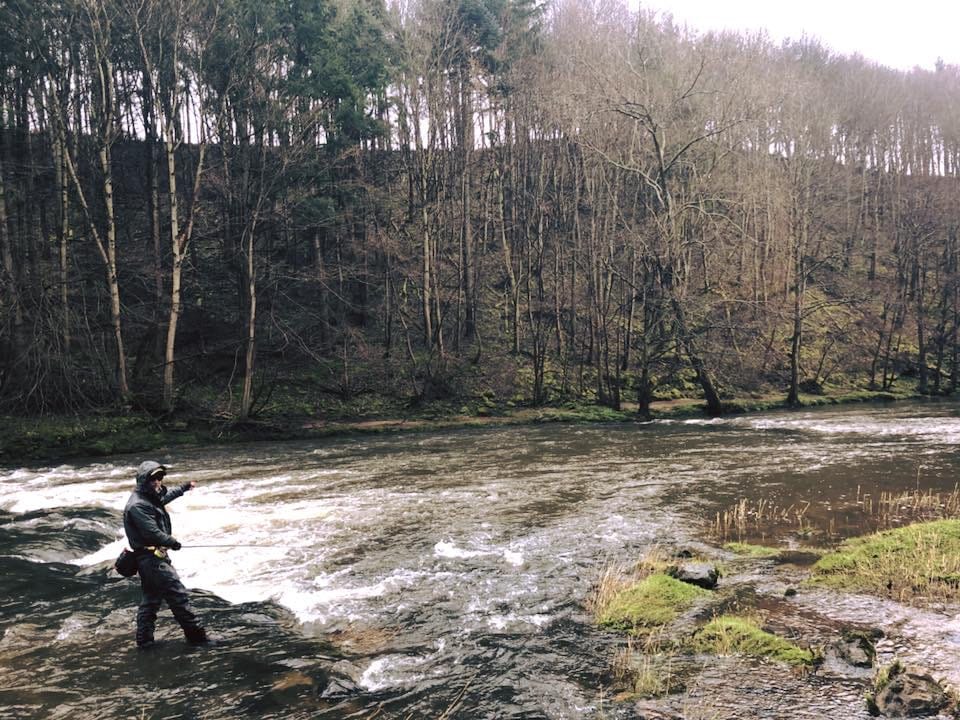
pixel 145 519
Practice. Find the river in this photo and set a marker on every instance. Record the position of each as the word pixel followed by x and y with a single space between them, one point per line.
pixel 413 575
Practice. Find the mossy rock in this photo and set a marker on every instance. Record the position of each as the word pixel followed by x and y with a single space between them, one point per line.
pixel 733 635
pixel 653 602
pixel 902 691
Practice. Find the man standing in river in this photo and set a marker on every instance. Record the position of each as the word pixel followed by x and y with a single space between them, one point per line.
pixel 147 525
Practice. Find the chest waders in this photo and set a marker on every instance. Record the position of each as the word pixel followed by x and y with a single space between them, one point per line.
pixel 160 582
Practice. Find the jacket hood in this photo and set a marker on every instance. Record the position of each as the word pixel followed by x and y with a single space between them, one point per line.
pixel 146 469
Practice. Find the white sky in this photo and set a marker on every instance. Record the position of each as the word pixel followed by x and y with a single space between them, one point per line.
pixel 897 33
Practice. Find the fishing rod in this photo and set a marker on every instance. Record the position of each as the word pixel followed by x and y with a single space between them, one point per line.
pixel 188 547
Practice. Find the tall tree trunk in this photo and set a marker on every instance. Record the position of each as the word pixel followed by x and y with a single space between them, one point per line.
pixel 106 241
pixel 35 214
pixel 644 385
pixel 469 291
pixel 467 141
pixel 179 242
pixel 793 395
pixel 575 254
pixel 922 373
pixel 11 283
pixel 246 398
pixel 111 266
pixel 164 95
pixel 427 250
pixel 954 350
pixel 65 233
pixel 169 355
pixel 799 291
pixel 153 189
pixel 508 266
pixel 710 394
pixel 631 311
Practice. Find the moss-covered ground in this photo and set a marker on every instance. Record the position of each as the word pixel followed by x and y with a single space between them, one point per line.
pixel 914 562
pixel 651 603
pixel 734 635
pixel 753 551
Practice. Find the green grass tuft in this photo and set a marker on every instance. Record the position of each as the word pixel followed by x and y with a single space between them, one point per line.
pixel 654 601
pixel 732 635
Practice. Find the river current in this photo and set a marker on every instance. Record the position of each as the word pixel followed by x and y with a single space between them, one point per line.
pixel 436 574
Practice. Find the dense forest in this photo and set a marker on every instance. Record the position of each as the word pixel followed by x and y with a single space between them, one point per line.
pixel 206 205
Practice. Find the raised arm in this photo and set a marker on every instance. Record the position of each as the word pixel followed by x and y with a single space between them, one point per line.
pixel 172 495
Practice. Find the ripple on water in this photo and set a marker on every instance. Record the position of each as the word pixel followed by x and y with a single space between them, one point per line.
pixel 730 688
pixel 930 638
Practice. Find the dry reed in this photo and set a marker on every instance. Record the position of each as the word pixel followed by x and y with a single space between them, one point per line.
pixel 751 519
pixel 883 511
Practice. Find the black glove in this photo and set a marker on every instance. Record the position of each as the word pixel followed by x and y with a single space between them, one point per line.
pixel 174 544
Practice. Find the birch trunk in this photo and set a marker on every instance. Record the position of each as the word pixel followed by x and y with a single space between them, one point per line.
pixel 169 355
pixel 112 279
pixel 246 398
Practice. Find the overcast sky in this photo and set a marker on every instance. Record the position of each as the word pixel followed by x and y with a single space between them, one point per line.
pixel 901 34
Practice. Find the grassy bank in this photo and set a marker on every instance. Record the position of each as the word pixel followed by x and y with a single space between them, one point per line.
pixel 914 563
pixel 52 438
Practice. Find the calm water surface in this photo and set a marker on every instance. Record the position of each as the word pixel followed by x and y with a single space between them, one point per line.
pixel 404 575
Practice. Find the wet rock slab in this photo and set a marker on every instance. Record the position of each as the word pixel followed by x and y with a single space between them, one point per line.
pixel 67 651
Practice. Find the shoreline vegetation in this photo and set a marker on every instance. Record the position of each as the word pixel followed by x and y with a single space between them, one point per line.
pixel 911 560
pixel 58 437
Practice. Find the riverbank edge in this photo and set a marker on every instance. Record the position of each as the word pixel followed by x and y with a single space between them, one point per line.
pixel 26 441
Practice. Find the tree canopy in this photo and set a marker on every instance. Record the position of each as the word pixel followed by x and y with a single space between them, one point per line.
pixel 300 201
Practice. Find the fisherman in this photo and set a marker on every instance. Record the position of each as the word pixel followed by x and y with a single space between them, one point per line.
pixel 147 525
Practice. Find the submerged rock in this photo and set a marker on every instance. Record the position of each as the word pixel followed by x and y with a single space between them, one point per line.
pixel 342 680
pixel 346 670
pixel 906 691
pixel 58 535
pixel 291 681
pixel 852 655
pixel 858 647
